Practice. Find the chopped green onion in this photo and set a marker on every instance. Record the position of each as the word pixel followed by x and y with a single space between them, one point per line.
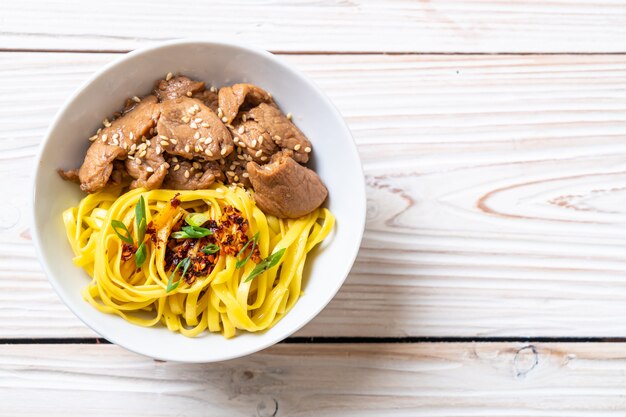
pixel 119 227
pixel 171 285
pixel 194 232
pixel 197 219
pixel 266 264
pixel 254 241
pixel 140 255
pixel 211 248
pixel 140 219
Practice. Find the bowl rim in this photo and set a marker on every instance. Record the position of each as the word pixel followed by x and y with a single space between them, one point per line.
pixel 360 208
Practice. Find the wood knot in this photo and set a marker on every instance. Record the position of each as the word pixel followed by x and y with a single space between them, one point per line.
pixel 267 407
pixel 526 359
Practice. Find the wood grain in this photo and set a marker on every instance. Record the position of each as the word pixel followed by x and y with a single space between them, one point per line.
pixel 441 26
pixel 496 380
pixel 495 193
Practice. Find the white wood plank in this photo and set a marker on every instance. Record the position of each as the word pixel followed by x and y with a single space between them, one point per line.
pixel 495 380
pixel 321 25
pixel 495 192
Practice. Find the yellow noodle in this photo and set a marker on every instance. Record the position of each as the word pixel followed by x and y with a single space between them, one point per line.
pixel 221 301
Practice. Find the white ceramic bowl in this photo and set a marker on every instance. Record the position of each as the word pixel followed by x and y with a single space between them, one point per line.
pixel 335 159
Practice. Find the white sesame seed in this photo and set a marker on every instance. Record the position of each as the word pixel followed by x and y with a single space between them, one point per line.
pixel 168 76
pixel 136 99
pixel 149 169
pixel 220 113
pixel 94 137
pixel 199 174
pixel 196 107
pixel 131 135
pixel 241 129
pixel 205 124
pixel 124 145
pixel 115 136
pixel 130 157
pixel 200 148
pixel 242 144
pixel 106 123
pixel 133 147
pixel 104 137
pixel 297 147
pixel 261 140
pixel 185 119
pixel 236 139
pixel 253 143
pixel 245 175
pixel 307 149
pixel 193 125
pixel 158 150
pixel 258 153
pixel 99 130
pixel 213 89
pixel 191 110
pixel 264 158
pixel 115 142
pixel 189 94
pixel 230 173
pixel 244 117
pixel 142 154
pixel 174 159
pixel 164 143
pixel 222 162
pixel 196 165
pixel 187 148
pixel 224 119
pixel 208 152
pixel 240 157
pixel 277 137
pixel 176 167
pixel 138 161
pixel 186 173
pixel 198 120
pixel 223 151
pixel 196 135
pixel 289 116
pixel 236 178
pixel 231 167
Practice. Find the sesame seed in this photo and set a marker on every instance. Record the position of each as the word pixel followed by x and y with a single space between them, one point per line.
pixel 124 145
pixel 104 137
pixel 189 94
pixel 222 162
pixel 213 89
pixel 224 119
pixel 143 139
pixel 193 125
pixel 245 175
pixel 241 129
pixel 240 157
pixel 297 147
pixel 142 146
pixel 258 153
pixel 187 148
pixel 253 143
pixel 196 135
pixel 168 76
pixel 230 173
pixel 205 124
pixel 208 152
pixel 106 123
pixel 186 173
pixel 130 157
pixel 231 167
pixel 261 140
pixel 242 144
pixel 99 130
pixel 164 143
pixel 115 136
pixel 94 137
pixel 289 116
pixel 191 110
pixel 185 119
pixel 142 154
pixel 198 120
pixel 200 148
pixel 176 167
pixel 236 139
pixel 196 107
pixel 264 158
pixel 277 138
pixel 244 117
pixel 115 142
pixel 158 150
pixel 149 169
pixel 307 149
pixel 220 113
pixel 133 147
pixel 223 151
pixel 136 99
pixel 138 161
pixel 174 159
pixel 196 165
pixel 173 141
pixel 131 135
pixel 199 174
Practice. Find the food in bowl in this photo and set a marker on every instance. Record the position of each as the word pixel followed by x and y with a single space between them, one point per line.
pixel 200 212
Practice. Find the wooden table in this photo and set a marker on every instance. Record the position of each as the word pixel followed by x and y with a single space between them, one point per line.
pixel 492 277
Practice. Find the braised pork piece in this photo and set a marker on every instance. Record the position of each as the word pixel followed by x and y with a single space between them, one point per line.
pixel 185 136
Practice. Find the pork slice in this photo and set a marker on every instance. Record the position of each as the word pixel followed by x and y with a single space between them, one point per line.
pixel 147 171
pixel 190 129
pixel 254 141
pixel 209 98
pixel 240 97
pixel 179 86
pixel 191 175
pixel 282 130
pixel 284 188
pixel 95 171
